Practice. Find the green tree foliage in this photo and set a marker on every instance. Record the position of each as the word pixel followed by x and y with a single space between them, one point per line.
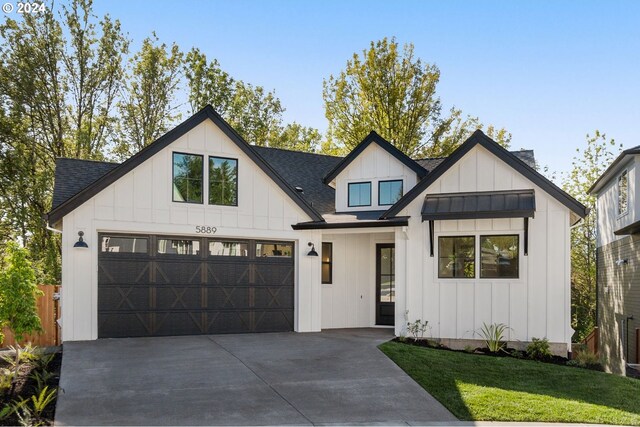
pixel 588 164
pixel 254 113
pixel 59 78
pixel 389 90
pixel 148 107
pixel 18 292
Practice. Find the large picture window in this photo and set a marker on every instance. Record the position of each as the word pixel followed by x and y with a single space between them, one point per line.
pixel 623 193
pixel 389 192
pixel 457 257
pixel 223 181
pixel 359 194
pixel 499 256
pixel 327 262
pixel 187 178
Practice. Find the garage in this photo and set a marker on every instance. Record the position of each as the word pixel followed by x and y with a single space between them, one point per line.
pixel 152 285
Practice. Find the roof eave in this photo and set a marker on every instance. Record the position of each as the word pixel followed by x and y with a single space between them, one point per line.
pixel 612 168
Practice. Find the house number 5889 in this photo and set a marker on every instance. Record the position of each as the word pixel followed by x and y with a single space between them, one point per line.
pixel 203 229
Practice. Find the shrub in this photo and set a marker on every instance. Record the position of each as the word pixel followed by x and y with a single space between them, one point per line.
pixel 586 359
pixel 18 293
pixel 493 336
pixel 539 349
pixel 417 328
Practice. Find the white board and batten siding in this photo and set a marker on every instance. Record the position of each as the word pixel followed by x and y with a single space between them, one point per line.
pixel 373 165
pixel 537 304
pixel 141 202
pixel 609 219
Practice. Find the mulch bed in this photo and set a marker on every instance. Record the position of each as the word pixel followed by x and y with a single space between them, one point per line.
pixel 25 387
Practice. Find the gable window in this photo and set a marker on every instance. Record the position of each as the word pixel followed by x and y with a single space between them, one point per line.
pixel 457 257
pixel 327 262
pixel 187 178
pixel 623 193
pixel 359 194
pixel 389 192
pixel 223 181
pixel 499 256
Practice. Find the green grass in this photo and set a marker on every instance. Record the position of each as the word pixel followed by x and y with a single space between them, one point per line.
pixel 484 388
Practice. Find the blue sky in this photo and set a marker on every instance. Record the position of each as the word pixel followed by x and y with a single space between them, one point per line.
pixel 548 71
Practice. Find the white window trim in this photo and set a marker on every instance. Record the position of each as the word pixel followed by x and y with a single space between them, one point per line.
pixel 477 279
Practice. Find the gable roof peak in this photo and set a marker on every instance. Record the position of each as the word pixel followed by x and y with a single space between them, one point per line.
pixel 372 137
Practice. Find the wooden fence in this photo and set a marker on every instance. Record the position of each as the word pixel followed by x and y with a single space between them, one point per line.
pixel 48 313
pixel 592 341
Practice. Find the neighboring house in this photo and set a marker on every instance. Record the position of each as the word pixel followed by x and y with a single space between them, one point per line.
pixel 202 233
pixel 618 261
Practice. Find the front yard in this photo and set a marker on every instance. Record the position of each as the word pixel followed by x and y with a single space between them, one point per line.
pixel 485 388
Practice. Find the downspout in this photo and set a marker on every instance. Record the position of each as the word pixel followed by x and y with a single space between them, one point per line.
pixel 55 230
pixel 626 335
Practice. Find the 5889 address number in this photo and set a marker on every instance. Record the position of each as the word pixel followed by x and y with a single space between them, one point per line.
pixel 205 229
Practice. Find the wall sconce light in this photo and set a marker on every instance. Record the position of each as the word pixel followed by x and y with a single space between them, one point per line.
pixel 312 252
pixel 621 261
pixel 80 243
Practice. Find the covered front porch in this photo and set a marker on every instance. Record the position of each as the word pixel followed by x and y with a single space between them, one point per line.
pixel 358 278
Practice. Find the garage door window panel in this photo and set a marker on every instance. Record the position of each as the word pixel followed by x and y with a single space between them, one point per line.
pixel 274 250
pixel 124 244
pixel 222 248
pixel 187 177
pixel 178 247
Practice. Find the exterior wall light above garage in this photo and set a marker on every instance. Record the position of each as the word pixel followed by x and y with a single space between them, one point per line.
pixel 81 243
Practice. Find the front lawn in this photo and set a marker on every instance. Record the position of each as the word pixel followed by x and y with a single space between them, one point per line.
pixel 478 387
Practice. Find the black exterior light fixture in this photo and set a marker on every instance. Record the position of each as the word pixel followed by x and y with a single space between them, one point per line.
pixel 81 243
pixel 312 252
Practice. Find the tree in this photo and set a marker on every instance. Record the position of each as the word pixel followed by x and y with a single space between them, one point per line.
pixel 147 109
pixel 18 293
pixel 255 113
pixel 394 93
pixel 588 164
pixel 59 78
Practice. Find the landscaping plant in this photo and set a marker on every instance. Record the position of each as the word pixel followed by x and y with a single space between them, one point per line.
pixel 417 328
pixel 539 349
pixel 493 336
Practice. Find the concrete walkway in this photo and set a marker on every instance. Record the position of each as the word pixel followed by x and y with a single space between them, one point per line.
pixel 334 377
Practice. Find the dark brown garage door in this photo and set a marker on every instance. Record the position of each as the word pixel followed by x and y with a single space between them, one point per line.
pixel 154 285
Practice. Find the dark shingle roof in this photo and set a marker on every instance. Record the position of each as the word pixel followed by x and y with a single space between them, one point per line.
pixel 304 170
pixel 298 169
pixel 73 175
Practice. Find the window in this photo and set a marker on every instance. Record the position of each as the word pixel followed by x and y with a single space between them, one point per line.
pixel 623 193
pixel 327 262
pixel 129 245
pixel 457 257
pixel 359 194
pixel 274 250
pixel 178 247
pixel 499 256
pixel 187 178
pixel 223 181
pixel 389 192
pixel 223 248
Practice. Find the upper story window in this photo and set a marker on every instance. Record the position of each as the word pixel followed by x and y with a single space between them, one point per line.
pixel 359 194
pixel 623 193
pixel 223 181
pixel 187 178
pixel 389 192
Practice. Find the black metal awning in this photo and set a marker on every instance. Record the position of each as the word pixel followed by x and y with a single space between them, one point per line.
pixel 478 205
pixel 483 204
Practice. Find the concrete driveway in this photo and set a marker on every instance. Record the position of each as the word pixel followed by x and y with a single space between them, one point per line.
pixel 334 377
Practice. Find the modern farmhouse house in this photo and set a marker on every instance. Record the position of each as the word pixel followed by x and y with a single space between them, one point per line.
pixel 618 261
pixel 201 233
